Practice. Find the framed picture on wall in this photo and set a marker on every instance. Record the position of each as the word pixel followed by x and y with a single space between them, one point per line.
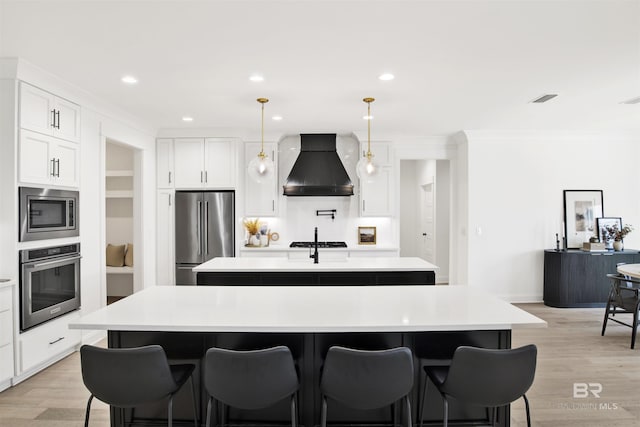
pixel 604 237
pixel 366 235
pixel 581 208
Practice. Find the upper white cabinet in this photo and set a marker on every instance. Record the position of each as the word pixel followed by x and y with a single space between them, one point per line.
pixel 261 198
pixel 43 112
pixel 375 192
pixel 204 163
pixel 164 163
pixel 47 160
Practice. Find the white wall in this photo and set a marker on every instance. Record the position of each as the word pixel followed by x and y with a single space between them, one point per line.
pixel 409 217
pixel 515 199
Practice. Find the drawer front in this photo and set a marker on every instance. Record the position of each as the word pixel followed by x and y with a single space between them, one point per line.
pixel 46 341
pixel 6 362
pixel 5 299
pixel 6 328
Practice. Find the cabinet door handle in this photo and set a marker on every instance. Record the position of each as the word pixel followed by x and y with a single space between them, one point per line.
pixel 201 180
pixel 273 205
pixel 53 118
pixel 58 168
pixel 169 177
pixel 364 206
pixel 206 178
pixel 169 199
pixel 55 341
pixel 53 167
pixel 58 119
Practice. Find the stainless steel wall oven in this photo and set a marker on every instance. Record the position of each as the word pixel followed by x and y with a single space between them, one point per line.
pixel 49 283
pixel 48 214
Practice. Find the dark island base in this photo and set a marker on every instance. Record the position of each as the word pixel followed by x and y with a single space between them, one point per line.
pixel 346 278
pixel 309 350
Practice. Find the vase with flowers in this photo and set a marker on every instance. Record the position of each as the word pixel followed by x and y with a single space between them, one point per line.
pixel 617 234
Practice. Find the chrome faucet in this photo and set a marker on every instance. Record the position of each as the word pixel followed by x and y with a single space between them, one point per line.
pixel 315 246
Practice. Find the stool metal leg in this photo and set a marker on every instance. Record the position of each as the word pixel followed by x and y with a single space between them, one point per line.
pixel 209 404
pixel 408 408
pixel 323 414
pixel 195 404
pixel 526 407
pixel 445 421
pixel 424 398
pixel 86 415
pixel 170 411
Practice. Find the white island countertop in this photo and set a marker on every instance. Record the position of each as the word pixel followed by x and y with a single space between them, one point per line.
pixel 308 309
pixel 306 265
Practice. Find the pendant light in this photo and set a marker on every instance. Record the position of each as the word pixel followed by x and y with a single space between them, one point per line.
pixel 366 168
pixel 261 167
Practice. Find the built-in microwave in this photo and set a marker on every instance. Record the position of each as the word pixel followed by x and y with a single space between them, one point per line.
pixel 48 213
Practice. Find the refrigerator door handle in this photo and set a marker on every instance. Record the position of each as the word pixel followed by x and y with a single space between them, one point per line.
pixel 206 228
pixel 199 226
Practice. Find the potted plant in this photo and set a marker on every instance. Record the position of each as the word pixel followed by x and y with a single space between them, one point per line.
pixel 617 234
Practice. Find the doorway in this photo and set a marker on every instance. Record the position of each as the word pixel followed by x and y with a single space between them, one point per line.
pixel 119 220
pixel 425 200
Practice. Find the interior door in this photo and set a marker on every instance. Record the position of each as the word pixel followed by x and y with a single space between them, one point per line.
pixel 427 222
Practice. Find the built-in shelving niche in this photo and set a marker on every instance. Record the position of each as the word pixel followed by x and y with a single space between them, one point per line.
pixel 119 222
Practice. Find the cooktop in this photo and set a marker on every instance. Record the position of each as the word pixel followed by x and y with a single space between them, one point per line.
pixel 320 245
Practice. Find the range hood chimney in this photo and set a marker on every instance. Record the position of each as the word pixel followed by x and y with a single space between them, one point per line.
pixel 318 171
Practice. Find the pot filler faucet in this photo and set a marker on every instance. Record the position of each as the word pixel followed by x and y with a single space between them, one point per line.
pixel 315 246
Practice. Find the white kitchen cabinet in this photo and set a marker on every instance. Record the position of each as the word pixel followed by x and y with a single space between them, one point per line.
pixel 261 198
pixel 47 343
pixel 43 112
pixel 6 336
pixel 375 192
pixel 47 160
pixel 164 163
pixel 204 163
pixel 165 257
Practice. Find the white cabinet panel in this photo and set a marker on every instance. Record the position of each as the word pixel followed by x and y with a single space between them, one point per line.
pixel 43 112
pixel 220 164
pixel 6 334
pixel 6 362
pixel 164 163
pixel 189 159
pixel 47 341
pixel 165 243
pixel 261 198
pixel 47 160
pixel 375 192
pixel 201 163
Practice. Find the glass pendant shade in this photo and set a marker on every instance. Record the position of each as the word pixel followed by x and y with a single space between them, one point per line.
pixel 366 167
pixel 261 167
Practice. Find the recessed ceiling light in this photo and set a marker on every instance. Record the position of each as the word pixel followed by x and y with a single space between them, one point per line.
pixel 386 77
pixel 256 78
pixel 367 117
pixel 130 80
pixel 276 118
pixel 187 119
pixel 544 98
pixel 635 100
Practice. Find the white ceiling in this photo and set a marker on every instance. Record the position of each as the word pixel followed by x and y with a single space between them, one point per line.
pixel 458 64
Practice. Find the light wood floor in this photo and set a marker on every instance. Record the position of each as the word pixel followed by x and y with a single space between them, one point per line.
pixel 570 351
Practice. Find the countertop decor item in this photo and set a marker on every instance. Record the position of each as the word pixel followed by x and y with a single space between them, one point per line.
pixel 261 167
pixel 603 235
pixel 366 235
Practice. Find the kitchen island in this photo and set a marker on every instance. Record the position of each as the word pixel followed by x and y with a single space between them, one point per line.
pixel 431 320
pixel 348 271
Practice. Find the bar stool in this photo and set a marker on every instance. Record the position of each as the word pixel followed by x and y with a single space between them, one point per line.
pixel 365 380
pixel 253 379
pixel 129 377
pixel 484 377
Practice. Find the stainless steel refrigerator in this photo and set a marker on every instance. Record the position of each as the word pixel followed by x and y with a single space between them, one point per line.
pixel 204 230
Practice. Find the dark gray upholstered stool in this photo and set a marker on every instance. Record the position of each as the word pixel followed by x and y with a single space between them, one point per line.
pixel 129 377
pixel 484 377
pixel 253 379
pixel 365 380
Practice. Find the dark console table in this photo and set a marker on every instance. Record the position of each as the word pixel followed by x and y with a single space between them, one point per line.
pixel 576 278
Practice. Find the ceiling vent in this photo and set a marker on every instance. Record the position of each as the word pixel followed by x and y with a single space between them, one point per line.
pixel 544 98
pixel 635 100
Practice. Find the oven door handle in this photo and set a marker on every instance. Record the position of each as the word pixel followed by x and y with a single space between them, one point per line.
pixel 58 261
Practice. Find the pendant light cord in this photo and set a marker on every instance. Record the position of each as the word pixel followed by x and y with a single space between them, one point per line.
pixel 261 154
pixel 369 101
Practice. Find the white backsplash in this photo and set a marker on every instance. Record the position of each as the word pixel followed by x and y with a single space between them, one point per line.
pixel 298 217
